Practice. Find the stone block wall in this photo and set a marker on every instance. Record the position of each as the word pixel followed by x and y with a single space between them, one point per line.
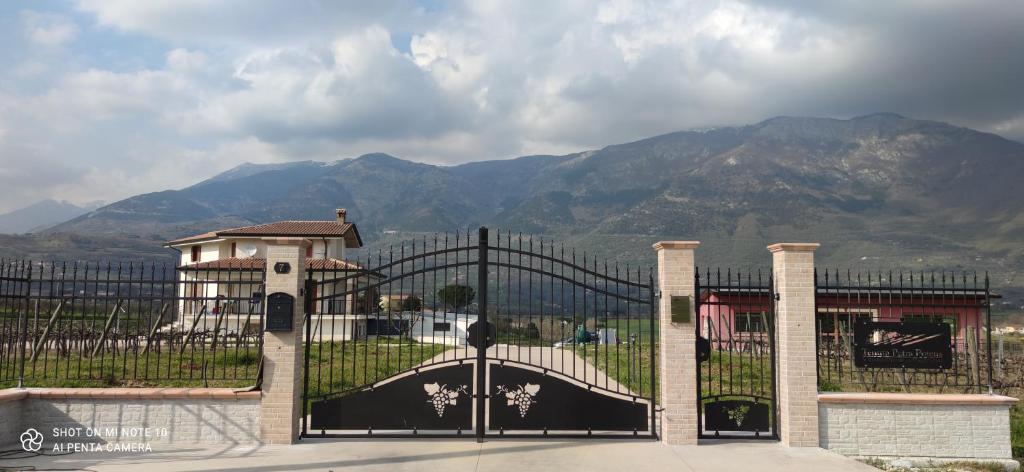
pixel 173 415
pixel 933 426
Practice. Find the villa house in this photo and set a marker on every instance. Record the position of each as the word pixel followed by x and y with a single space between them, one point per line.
pixel 223 269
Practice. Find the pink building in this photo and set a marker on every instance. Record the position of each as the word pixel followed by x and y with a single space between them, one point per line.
pixel 739 316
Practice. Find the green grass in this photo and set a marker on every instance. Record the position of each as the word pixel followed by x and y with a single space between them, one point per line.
pixel 1017 431
pixel 736 374
pixel 224 368
pixel 340 366
pixel 625 327
pixel 334 366
pixel 631 368
pixel 959 466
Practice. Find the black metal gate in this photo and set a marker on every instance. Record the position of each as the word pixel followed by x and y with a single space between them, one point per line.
pixel 736 381
pixel 497 335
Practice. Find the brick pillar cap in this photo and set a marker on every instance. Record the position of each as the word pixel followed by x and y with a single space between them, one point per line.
pixel 287 241
pixel 793 247
pixel 676 245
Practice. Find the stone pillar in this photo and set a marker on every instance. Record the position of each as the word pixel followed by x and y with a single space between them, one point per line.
pixel 678 359
pixel 280 405
pixel 793 269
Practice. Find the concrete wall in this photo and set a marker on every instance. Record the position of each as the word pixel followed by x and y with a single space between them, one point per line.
pixel 11 408
pixel 936 426
pixel 189 416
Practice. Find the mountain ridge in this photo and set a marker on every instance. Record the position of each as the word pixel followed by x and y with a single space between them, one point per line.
pixel 880 187
pixel 42 214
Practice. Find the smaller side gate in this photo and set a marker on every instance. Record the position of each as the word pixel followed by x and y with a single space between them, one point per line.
pixel 736 375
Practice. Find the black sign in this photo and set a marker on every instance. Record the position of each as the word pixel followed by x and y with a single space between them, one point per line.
pixel 473 335
pixel 282 268
pixel 280 311
pixel 898 344
pixel 703 349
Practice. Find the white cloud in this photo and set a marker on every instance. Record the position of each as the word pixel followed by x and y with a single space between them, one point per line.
pixel 184 60
pixel 48 30
pixel 245 80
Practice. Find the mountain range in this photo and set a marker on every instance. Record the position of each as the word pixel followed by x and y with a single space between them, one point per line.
pixel 41 215
pixel 877 191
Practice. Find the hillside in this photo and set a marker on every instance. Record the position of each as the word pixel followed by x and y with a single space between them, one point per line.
pixel 878 191
pixel 40 215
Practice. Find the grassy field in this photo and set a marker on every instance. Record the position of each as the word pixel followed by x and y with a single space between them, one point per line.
pixel 340 366
pixel 629 366
pixel 721 375
pixel 736 374
pixel 336 365
pixel 224 368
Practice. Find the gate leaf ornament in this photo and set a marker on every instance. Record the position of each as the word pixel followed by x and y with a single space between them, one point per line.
pixel 442 395
pixel 522 396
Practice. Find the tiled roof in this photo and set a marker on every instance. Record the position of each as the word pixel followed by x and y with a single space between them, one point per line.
pixel 193 238
pixel 290 228
pixel 253 263
pixel 308 229
pixel 331 264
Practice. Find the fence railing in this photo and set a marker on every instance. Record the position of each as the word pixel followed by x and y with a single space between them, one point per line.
pixel 902 303
pixel 99 324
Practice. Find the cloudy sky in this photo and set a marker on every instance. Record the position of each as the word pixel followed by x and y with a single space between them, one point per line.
pixel 103 99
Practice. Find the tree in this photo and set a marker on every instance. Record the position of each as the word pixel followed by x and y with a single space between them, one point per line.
pixel 412 303
pixel 367 301
pixel 456 296
pixel 532 331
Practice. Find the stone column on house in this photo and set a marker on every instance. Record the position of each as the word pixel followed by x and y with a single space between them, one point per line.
pixel 280 405
pixel 793 269
pixel 677 343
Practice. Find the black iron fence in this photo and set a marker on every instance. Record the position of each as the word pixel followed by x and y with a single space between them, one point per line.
pixel 488 318
pixel 88 323
pixel 903 331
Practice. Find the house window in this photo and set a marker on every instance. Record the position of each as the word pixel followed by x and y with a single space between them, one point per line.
pixel 442 326
pixel 836 323
pixel 309 251
pixel 749 322
pixel 234 246
pixel 196 252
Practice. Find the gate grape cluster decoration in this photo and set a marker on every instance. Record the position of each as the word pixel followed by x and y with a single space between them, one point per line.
pixel 522 396
pixel 738 414
pixel 442 395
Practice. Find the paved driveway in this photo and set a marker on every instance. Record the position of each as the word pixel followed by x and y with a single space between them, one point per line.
pixel 462 455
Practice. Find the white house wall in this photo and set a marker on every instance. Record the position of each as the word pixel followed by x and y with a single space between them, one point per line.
pixel 423 330
pixel 221 249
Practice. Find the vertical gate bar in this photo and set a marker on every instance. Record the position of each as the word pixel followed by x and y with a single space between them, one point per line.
pixel 307 305
pixel 653 379
pixel 817 330
pixel 481 334
pixel 697 324
pixel 540 320
pixel 771 335
pixel 576 338
pixel 988 329
pixel 24 329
